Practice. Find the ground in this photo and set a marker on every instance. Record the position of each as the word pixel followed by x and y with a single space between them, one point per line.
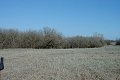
pixel 62 64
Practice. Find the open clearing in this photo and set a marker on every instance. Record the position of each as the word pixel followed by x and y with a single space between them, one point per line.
pixel 62 64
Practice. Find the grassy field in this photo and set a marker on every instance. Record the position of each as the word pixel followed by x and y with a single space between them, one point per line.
pixel 62 64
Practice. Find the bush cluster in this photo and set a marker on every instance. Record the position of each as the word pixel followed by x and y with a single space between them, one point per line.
pixel 46 38
pixel 118 42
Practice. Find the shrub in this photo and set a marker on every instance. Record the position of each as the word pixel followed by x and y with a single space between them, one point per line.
pixel 8 38
pixel 84 42
pixel 118 42
pixel 52 39
pixel 108 42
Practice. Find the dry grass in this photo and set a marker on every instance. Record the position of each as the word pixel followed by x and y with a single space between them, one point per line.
pixel 62 64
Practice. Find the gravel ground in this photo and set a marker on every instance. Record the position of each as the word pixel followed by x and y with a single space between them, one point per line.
pixel 62 64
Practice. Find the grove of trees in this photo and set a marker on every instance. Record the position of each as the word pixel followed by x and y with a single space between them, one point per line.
pixel 46 38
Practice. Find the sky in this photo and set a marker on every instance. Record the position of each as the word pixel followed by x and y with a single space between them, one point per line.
pixel 70 17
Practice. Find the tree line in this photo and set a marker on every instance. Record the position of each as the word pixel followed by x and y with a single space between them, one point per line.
pixel 46 38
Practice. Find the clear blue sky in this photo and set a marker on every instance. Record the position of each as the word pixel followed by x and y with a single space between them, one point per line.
pixel 71 17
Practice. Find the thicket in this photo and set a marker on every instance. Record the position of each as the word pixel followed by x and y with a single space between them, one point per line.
pixel 46 38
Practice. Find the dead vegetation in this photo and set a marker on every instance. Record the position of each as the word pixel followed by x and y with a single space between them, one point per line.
pixel 62 64
pixel 46 38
